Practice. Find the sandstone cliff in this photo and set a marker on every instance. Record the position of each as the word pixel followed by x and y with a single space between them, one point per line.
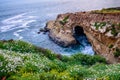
pixel 101 29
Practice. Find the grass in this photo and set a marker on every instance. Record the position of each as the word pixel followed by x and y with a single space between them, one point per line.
pixel 107 10
pixel 23 61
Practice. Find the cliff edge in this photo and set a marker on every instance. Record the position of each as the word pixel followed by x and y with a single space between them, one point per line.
pixel 101 27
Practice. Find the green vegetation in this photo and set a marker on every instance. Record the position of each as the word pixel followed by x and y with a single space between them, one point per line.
pixel 99 25
pixel 114 28
pixel 108 10
pixel 114 31
pixel 111 46
pixel 23 47
pixel 64 21
pixel 23 61
pixel 117 52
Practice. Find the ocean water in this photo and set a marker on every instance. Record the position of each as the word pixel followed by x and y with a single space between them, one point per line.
pixel 21 20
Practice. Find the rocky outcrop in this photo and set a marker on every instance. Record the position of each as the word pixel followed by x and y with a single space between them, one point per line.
pixel 58 35
pixel 102 31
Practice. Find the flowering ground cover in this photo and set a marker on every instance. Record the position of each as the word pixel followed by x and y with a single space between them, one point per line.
pixel 23 61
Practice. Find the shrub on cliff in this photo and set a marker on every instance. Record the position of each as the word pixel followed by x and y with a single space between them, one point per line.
pixel 85 59
pixel 117 52
pixel 64 21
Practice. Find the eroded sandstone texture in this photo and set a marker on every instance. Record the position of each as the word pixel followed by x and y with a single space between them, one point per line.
pixel 102 31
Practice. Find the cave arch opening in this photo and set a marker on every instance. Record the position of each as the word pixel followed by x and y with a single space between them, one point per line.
pixel 78 31
pixel 80 36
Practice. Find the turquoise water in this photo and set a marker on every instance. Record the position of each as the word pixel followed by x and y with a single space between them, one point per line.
pixel 22 20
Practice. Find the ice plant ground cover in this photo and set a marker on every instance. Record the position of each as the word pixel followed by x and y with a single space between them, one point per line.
pixel 23 61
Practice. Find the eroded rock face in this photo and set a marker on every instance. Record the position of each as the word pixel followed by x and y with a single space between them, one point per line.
pixel 60 35
pixel 102 31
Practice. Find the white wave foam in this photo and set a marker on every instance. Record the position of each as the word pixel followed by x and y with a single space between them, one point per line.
pixel 16 22
pixel 31 17
pixel 23 26
pixel 17 34
pixel 7 27
pixel 13 18
pixel 26 23
pixel 88 50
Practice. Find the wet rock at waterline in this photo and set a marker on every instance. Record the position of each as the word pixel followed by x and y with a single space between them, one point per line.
pixel 44 30
pixel 102 29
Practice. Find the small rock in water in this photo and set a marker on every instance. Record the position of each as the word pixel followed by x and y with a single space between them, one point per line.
pixel 39 32
pixel 43 30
